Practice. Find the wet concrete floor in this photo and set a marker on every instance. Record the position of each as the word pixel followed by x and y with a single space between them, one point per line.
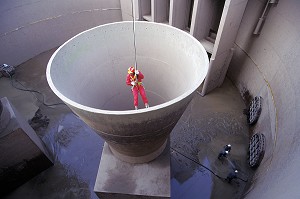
pixel 207 125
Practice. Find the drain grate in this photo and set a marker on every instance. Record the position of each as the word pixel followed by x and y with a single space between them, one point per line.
pixel 254 110
pixel 256 149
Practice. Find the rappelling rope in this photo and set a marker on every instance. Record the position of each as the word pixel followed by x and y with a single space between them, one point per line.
pixel 134 42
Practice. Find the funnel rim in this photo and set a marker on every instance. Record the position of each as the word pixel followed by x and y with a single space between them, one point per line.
pixel 77 105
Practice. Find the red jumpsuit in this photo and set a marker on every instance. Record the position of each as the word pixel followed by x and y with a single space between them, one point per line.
pixel 137 88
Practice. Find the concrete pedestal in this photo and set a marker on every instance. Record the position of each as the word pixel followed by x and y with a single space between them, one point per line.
pixel 22 153
pixel 122 180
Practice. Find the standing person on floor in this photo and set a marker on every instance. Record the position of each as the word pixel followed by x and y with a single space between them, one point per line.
pixel 134 79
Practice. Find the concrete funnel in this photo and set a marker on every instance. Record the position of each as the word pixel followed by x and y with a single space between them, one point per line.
pixel 88 73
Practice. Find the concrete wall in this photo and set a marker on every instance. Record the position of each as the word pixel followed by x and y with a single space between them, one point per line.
pixel 268 65
pixel 29 27
pixel 126 7
pixel 179 13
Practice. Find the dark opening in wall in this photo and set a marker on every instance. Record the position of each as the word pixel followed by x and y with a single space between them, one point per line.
pixel 168 11
pixel 145 6
pixel 191 6
pixel 216 18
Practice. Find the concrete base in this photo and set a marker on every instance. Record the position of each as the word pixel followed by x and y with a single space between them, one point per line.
pixel 140 159
pixel 22 153
pixel 122 180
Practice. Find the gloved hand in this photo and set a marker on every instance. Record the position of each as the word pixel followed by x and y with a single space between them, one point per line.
pixel 133 83
pixel 137 72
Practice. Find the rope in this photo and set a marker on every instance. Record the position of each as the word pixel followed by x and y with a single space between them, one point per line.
pixel 134 41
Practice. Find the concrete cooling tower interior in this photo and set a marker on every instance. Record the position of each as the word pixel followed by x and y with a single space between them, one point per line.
pixel 258 53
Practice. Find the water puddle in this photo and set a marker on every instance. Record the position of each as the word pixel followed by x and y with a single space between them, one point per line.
pixel 76 150
pixel 189 180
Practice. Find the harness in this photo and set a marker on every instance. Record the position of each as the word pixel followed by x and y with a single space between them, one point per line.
pixel 134 79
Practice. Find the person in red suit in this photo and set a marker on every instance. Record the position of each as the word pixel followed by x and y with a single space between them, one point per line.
pixel 134 79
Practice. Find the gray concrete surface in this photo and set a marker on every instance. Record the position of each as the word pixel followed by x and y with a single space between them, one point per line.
pixel 122 180
pixel 31 27
pixel 208 123
pixel 267 65
pixel 16 121
pixel 22 153
pixel 89 71
pixel 28 107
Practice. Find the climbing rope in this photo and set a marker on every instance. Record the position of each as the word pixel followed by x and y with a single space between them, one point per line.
pixel 134 40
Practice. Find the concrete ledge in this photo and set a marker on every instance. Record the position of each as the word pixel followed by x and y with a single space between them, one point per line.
pixel 22 153
pixel 122 180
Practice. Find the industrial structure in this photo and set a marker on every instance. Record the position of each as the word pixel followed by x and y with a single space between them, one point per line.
pixel 254 43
